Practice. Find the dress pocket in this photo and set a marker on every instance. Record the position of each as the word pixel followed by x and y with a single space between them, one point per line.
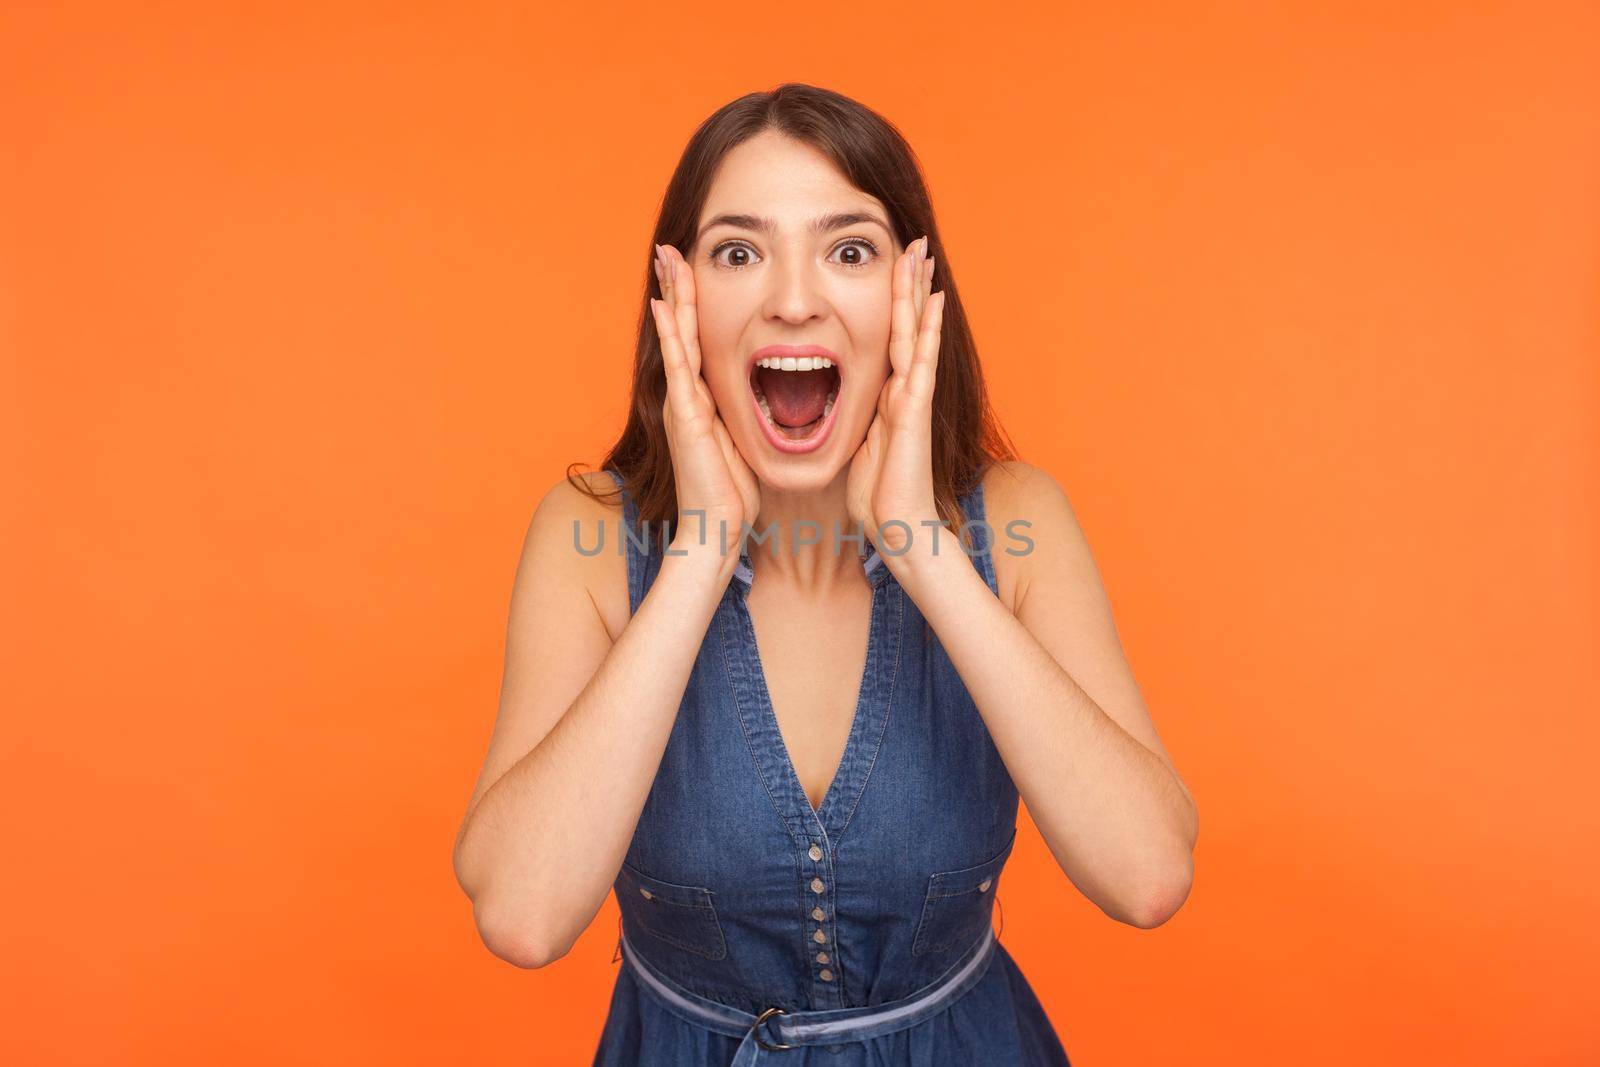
pixel 681 915
pixel 959 904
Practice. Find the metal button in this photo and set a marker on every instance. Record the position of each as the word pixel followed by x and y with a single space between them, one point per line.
pixel 819 937
pixel 818 914
pixel 815 853
pixel 816 885
pixel 643 892
pixel 985 884
pixel 825 974
pixel 822 957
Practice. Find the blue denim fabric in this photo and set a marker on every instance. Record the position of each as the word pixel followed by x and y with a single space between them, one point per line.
pixel 730 868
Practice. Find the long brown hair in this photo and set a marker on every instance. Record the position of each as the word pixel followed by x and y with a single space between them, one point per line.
pixel 872 154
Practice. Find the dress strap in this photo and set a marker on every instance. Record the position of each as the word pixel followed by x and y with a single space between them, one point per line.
pixel 634 539
pixel 983 540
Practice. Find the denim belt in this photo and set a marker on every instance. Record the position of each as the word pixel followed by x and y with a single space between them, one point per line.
pixel 793 1029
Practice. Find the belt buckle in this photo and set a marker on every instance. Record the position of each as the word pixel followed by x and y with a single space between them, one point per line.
pixel 755 1029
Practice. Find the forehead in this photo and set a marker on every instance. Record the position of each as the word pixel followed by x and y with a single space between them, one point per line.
pixel 783 179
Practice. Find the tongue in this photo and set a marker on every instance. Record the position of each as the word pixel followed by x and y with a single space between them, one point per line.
pixel 795 398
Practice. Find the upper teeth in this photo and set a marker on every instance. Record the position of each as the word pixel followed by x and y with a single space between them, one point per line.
pixel 794 362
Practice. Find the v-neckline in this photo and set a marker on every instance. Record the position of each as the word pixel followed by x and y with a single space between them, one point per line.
pixel 867 721
pixel 759 673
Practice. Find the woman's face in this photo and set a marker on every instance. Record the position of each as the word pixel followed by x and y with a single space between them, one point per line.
pixel 766 275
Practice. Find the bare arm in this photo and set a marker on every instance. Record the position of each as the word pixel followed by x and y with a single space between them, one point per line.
pixel 583 723
pixel 1060 700
pixel 581 729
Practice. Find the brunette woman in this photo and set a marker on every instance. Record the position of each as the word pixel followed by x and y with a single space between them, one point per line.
pixel 794 756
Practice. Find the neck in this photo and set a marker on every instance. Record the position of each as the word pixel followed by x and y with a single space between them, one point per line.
pixel 821 517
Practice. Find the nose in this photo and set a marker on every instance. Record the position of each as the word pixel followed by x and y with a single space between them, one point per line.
pixel 794 287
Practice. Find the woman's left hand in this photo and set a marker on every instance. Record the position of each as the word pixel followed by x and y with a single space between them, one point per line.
pixel 891 475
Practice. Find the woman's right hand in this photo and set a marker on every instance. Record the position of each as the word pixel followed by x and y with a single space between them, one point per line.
pixel 709 474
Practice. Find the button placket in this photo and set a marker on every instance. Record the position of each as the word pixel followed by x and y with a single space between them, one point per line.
pixel 818 885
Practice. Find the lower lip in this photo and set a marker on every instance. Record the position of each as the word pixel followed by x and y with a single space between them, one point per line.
pixel 796 446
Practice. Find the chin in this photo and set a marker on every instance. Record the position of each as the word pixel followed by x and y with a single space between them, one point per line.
pixel 803 472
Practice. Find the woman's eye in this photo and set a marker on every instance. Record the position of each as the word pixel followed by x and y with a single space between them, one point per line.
pixel 732 246
pixel 865 251
pixel 736 255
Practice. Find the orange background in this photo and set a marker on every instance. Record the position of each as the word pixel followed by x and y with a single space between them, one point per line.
pixel 303 308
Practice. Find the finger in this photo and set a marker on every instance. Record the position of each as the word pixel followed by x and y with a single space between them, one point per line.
pixel 923 286
pixel 704 392
pixel 871 468
pixel 925 361
pixel 919 296
pixel 680 383
pixel 684 308
pixel 902 314
pixel 874 441
pixel 663 274
pixel 725 442
pixel 736 465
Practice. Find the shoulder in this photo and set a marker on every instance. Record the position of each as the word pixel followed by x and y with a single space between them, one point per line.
pixel 566 517
pixel 1033 522
pixel 1011 485
pixel 564 498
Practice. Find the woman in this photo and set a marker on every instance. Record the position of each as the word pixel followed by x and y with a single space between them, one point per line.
pixel 799 768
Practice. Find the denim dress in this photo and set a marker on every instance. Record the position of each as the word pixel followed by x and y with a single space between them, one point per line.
pixel 736 892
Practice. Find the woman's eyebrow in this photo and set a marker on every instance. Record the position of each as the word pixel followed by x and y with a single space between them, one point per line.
pixel 821 224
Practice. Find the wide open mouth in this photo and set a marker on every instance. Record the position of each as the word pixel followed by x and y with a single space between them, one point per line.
pixel 795 402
